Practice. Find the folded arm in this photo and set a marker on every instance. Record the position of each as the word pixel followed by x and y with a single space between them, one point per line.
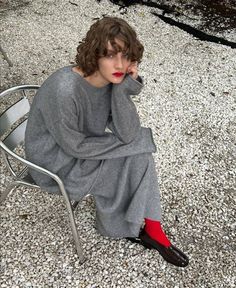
pixel 107 146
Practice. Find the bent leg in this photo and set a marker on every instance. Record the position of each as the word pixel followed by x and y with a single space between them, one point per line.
pixel 127 192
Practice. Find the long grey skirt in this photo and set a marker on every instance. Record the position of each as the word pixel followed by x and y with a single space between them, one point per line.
pixel 126 191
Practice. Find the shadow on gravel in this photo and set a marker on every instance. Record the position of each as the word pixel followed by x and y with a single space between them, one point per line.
pixel 6 5
pixel 213 16
pixel 217 15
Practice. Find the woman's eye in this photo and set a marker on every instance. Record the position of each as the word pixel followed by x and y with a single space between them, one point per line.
pixel 110 56
pixel 126 55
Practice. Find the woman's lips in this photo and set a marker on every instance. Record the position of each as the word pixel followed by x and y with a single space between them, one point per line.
pixel 118 74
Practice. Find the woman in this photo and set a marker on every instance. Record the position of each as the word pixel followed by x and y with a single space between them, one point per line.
pixel 66 135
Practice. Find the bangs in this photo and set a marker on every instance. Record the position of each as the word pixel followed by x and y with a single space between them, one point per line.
pixel 116 47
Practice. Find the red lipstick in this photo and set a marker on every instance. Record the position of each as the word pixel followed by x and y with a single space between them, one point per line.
pixel 118 74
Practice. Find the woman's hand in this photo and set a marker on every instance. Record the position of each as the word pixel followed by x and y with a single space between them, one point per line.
pixel 133 70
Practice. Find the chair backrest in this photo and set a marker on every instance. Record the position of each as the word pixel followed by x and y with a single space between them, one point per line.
pixel 14 113
pixel 11 116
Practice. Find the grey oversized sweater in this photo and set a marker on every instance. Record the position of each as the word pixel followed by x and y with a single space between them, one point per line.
pixel 67 123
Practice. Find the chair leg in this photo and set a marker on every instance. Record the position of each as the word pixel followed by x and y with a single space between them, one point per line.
pixel 75 233
pixel 9 189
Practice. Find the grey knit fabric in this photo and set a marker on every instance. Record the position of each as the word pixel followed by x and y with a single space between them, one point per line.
pixel 66 134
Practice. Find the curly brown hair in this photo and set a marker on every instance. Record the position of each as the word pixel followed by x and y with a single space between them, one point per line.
pixel 94 45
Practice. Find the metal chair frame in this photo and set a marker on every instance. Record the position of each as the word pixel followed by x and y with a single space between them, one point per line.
pixel 12 140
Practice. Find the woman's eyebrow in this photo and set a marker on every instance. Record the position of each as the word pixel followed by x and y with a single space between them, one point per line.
pixel 111 51
pixel 115 52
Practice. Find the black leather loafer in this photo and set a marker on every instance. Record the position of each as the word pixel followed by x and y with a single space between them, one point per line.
pixel 171 254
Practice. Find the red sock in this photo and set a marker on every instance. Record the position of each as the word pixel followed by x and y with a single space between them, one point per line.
pixel 154 230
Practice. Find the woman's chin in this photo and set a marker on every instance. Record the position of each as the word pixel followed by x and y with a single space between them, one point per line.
pixel 117 80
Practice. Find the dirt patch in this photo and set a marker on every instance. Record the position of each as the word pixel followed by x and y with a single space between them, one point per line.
pixel 216 15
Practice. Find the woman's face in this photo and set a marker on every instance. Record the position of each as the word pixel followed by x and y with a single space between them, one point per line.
pixel 112 67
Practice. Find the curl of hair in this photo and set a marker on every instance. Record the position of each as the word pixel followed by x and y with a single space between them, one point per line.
pixel 94 45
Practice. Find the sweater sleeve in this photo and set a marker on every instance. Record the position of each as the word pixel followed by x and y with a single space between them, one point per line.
pixel 124 120
pixel 106 146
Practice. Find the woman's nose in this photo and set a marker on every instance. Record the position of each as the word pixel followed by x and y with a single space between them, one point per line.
pixel 119 62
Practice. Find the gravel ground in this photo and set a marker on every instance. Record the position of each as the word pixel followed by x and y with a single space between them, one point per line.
pixel 189 101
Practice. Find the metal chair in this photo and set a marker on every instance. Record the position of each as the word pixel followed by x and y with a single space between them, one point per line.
pixel 14 137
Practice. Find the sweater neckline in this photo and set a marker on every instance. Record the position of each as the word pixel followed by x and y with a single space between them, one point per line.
pixel 87 84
